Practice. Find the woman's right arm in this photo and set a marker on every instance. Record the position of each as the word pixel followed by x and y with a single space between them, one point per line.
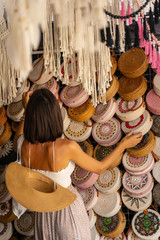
pixel 91 164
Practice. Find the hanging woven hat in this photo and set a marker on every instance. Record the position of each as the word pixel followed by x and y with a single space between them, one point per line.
pixel 138 166
pixel 145 224
pixel 24 88
pixel 132 236
pixel 4 193
pixel 66 119
pixel 5 133
pixel 132 89
pixel 6 231
pixel 153 102
pixel 15 111
pixel 156 125
pixel 142 124
pixel 108 205
pixel 25 224
pixel 113 61
pixel 111 227
pixel 14 125
pixel 73 96
pixel 82 178
pixel 146 145
pixel 156 194
pixel 95 234
pixel 7 153
pixel 156 171
pixel 156 84
pixel 108 133
pixel 3 116
pixel 137 186
pixel 113 89
pixel 133 63
pixel 83 112
pixel 156 149
pixel 89 196
pixel 86 147
pixel 38 74
pixel 79 131
pixel 136 204
pixel 32 189
pixel 109 181
pixel 6 213
pixel 104 112
pixel 51 85
pixel 100 152
pixel 130 111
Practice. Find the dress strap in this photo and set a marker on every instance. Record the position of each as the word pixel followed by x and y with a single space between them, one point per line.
pixel 54 164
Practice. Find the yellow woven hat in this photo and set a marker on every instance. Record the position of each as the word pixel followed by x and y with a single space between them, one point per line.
pixel 35 191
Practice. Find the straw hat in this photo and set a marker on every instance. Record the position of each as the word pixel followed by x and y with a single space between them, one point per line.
pixel 35 191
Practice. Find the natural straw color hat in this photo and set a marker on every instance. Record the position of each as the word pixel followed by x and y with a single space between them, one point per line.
pixel 35 191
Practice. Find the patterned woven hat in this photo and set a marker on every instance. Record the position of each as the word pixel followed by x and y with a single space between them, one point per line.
pixel 79 131
pixel 6 230
pixel 111 227
pixel 15 111
pixel 4 193
pixel 32 189
pixel 25 224
pixel 137 186
pixel 109 181
pixel 89 196
pixel 104 112
pixel 65 118
pixel 113 89
pixel 146 145
pixel 153 102
pixel 5 133
pixel 146 224
pixel 133 63
pixel 7 153
pixel 3 116
pixel 132 89
pixel 92 218
pixel 156 171
pixel 86 147
pixel 156 84
pixel 129 111
pixel 24 88
pixel 136 204
pixel 6 213
pixel 156 194
pixel 108 133
pixel 108 204
pixel 100 152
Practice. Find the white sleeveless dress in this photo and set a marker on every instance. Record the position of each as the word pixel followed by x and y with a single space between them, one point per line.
pixel 71 223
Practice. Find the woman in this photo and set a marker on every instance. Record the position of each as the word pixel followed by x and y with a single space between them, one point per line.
pixel 38 141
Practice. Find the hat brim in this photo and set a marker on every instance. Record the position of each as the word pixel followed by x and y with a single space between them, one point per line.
pixel 35 191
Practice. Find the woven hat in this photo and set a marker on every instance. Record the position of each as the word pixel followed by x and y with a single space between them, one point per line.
pixel 156 84
pixel 114 62
pixel 156 194
pixel 156 125
pixel 131 89
pixel 113 89
pixel 133 63
pixel 3 116
pixel 25 224
pixel 156 171
pixel 153 102
pixel 6 213
pixel 5 133
pixel 6 230
pixel 32 189
pixel 86 147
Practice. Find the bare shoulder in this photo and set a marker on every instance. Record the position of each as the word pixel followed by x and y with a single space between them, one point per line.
pixel 66 144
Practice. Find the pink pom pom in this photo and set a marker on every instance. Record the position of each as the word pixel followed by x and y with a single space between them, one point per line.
pixel 154 58
pixel 150 52
pixel 146 47
pixel 123 11
pixel 158 64
pixel 129 12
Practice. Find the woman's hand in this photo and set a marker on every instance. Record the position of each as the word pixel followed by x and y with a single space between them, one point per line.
pixel 131 140
pixel 25 98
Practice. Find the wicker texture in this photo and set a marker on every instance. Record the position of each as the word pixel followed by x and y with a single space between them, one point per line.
pixel 3 116
pixel 5 134
pixel 133 63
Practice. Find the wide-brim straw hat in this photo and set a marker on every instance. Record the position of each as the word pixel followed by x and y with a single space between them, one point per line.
pixel 35 191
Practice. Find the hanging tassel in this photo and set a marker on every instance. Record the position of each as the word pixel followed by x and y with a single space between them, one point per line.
pixel 151 21
pixel 145 29
pixel 123 11
pixel 139 25
pixel 158 63
pixel 109 38
pixel 127 36
pixel 129 12
pixel 150 50
pixel 142 40
pixel 156 14
pixel 102 36
pixel 154 56
pixel 117 42
pixel 146 47
pixel 136 39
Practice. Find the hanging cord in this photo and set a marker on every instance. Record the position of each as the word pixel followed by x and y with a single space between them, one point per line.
pixel 54 165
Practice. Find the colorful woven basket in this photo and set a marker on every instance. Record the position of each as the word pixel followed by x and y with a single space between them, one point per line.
pixel 15 111
pixel 6 230
pixel 133 63
pixel 111 227
pixel 132 89
pixel 86 147
pixel 3 116
pixel 6 213
pixel 114 62
pixel 83 112
pixel 153 102
pixel 113 89
pixel 144 147
pixel 156 84
pixel 100 152
pixel 156 125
